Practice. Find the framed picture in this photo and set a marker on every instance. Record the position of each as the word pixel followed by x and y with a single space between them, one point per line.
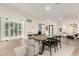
pixel 46 28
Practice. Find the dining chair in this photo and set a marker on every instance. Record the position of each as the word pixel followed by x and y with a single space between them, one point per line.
pixel 50 43
pixel 58 41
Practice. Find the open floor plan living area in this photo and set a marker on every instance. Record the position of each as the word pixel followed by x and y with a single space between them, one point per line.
pixel 39 29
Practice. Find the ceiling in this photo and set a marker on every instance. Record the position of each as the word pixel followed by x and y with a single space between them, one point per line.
pixel 57 10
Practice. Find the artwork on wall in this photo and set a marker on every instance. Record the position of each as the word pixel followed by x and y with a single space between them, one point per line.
pixel 29 20
pixel 60 29
pixel 46 28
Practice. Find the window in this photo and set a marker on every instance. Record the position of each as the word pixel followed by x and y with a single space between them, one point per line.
pixel 73 28
pixel 6 29
pixel 13 28
pixel 20 29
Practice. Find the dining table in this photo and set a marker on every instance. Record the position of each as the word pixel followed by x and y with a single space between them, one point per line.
pixel 40 39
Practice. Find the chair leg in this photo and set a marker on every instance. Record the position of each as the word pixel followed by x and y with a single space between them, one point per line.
pixel 57 45
pixel 55 48
pixel 34 50
pixel 50 51
pixel 60 44
pixel 42 48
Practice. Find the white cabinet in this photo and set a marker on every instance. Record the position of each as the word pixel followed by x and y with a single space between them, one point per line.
pixel 10 28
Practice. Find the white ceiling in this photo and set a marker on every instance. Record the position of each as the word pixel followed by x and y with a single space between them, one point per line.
pixel 62 10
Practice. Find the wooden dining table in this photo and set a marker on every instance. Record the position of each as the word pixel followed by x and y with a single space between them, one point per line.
pixel 40 39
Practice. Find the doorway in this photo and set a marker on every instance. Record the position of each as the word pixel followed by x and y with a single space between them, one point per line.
pixel 41 28
pixel 50 29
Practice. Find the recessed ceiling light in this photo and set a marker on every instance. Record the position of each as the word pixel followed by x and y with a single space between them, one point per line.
pixel 64 26
pixel 47 8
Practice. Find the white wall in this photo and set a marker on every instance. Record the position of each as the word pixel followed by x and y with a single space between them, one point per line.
pixel 65 24
pixel 31 27
pixel 13 13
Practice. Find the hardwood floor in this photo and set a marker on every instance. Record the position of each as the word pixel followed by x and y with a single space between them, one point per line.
pixel 75 52
pixel 74 43
pixel 6 47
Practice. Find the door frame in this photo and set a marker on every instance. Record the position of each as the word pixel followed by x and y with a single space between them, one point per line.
pixel 49 29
